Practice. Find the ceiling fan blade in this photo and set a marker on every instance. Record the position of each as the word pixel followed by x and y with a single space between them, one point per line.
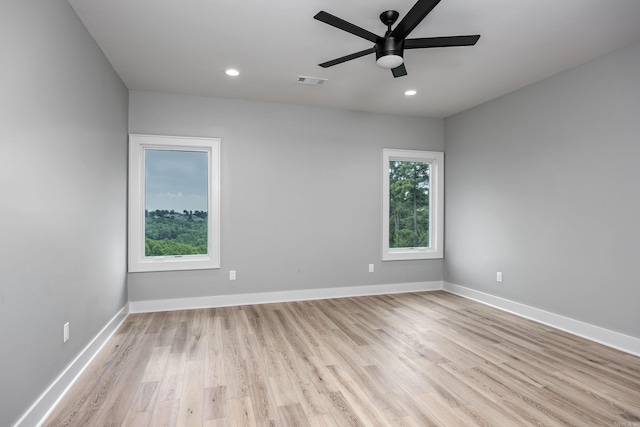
pixel 347 58
pixel 441 42
pixel 334 21
pixel 413 17
pixel 399 71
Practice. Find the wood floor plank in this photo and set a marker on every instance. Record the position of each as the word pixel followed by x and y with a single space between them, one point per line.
pixel 357 398
pixel 215 403
pixel 173 377
pixel 214 356
pixel 241 413
pixel 191 406
pixel 156 365
pixel 116 405
pixel 421 359
pixel 323 421
pixel 293 415
pixel 165 413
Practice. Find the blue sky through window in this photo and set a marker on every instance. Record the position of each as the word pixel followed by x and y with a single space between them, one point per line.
pixel 176 179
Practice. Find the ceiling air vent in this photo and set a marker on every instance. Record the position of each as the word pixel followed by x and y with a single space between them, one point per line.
pixel 313 81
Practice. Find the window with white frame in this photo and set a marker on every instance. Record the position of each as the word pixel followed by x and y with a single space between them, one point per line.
pixel 412 204
pixel 174 203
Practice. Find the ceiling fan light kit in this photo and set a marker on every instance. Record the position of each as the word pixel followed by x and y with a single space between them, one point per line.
pixel 389 61
pixel 389 49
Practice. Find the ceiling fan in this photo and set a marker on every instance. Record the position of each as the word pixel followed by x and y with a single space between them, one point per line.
pixel 389 49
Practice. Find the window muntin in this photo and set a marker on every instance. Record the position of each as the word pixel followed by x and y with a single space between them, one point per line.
pixel 173 203
pixel 412 204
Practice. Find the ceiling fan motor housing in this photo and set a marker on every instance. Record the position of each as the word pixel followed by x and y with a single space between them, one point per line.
pixel 389 46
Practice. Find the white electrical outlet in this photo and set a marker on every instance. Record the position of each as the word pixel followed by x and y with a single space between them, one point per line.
pixel 66 332
pixel 232 275
pixel 499 276
pixel 370 268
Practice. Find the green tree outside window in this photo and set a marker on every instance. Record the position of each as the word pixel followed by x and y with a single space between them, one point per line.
pixel 408 204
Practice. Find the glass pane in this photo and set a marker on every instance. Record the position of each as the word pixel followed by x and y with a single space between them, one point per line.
pixel 176 202
pixel 408 204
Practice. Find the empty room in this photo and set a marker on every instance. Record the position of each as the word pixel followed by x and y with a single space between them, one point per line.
pixel 320 213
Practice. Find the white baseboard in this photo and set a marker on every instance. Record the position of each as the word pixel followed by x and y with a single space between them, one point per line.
pixel 282 296
pixel 600 335
pixel 46 403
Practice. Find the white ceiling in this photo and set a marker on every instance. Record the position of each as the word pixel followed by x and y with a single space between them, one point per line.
pixel 184 46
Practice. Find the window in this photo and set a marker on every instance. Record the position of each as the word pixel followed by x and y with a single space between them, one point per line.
pixel 174 212
pixel 412 204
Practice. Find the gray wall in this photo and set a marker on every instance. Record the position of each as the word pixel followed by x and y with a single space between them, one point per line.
pixel 301 194
pixel 63 139
pixel 543 184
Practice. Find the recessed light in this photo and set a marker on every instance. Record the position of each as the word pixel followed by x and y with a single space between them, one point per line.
pixel 232 72
pixel 410 92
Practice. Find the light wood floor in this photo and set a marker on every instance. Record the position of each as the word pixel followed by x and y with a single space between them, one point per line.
pixel 423 359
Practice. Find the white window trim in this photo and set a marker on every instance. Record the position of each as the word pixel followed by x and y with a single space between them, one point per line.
pixel 436 205
pixel 137 261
